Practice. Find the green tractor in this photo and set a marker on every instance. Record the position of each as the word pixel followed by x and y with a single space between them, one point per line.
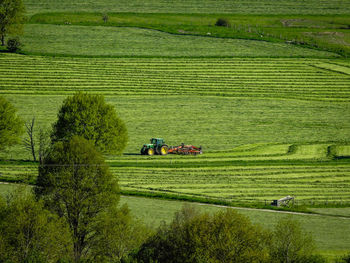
pixel 157 146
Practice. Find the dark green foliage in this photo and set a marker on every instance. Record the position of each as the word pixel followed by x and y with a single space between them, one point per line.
pixel 14 44
pixel 29 232
pixel 11 126
pixel 292 244
pixel 11 17
pixel 75 182
pixel 193 237
pixel 117 235
pixel 90 117
pixel 344 259
pixel 222 22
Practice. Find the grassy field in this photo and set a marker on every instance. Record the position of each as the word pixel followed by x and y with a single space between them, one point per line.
pixel 128 41
pixel 273 116
pixel 216 103
pixel 255 118
pixel 305 79
pixel 327 32
pixel 193 6
pixel 239 177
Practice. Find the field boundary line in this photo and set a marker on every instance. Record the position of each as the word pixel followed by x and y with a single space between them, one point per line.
pixel 274 211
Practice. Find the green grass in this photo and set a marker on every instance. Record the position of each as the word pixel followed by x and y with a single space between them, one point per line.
pixel 193 6
pixel 126 41
pixel 279 113
pixel 342 212
pixel 262 78
pixel 327 32
pixel 215 123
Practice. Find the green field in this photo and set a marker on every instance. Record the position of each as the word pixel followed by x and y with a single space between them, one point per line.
pixel 267 126
pixel 268 99
pixel 326 32
pixel 193 6
pixel 128 41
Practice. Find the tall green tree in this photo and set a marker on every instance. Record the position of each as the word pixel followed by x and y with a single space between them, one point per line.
pixel 11 17
pixel 117 235
pixel 29 232
pixel 11 125
pixel 91 117
pixel 75 182
pixel 193 237
pixel 291 243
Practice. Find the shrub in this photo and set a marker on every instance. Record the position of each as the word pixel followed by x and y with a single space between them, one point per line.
pixel 222 22
pixel 14 45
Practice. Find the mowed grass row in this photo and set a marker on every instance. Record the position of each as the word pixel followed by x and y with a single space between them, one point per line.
pixel 193 6
pixel 313 184
pixel 277 78
pixel 251 176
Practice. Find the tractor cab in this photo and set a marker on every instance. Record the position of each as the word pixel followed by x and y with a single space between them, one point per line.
pixel 157 146
pixel 157 141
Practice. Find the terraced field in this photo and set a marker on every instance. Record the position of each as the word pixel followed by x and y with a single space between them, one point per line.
pixel 306 79
pixel 254 175
pixel 194 6
pixel 107 41
pixel 269 127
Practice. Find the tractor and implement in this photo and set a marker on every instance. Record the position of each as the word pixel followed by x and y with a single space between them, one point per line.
pixel 158 146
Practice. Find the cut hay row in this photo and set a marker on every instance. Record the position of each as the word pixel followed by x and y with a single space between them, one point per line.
pixel 315 182
pixel 269 77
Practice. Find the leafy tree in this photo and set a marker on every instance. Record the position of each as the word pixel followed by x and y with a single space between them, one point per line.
pixel 11 126
pixel 75 182
pixel 193 237
pixel 11 17
pixel 117 235
pixel 30 233
pixel 344 259
pixel 90 117
pixel 291 243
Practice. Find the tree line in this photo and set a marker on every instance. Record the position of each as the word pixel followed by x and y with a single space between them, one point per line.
pixel 72 214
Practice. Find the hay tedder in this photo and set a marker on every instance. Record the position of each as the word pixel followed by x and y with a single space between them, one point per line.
pixel 158 146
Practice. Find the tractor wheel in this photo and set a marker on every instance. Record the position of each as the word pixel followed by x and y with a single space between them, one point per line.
pixel 164 150
pixel 150 151
pixel 143 151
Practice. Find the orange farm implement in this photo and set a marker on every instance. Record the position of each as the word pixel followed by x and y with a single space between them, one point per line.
pixel 185 149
